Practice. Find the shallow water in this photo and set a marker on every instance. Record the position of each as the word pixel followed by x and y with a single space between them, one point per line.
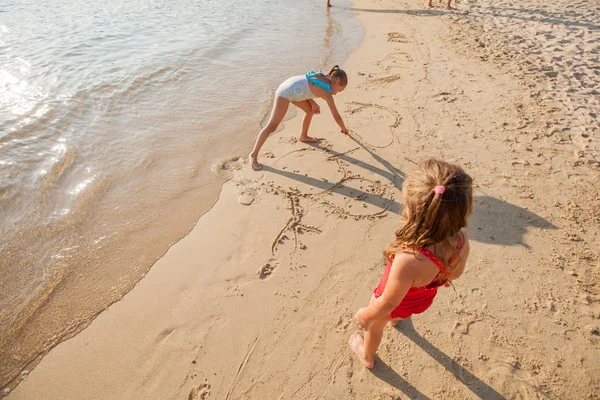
pixel 113 116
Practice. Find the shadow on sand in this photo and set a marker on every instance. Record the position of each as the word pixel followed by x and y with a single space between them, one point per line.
pixel 384 372
pixel 390 173
pixel 499 222
pixel 493 221
pixel 340 189
pixel 478 387
pixel 425 12
pixel 567 18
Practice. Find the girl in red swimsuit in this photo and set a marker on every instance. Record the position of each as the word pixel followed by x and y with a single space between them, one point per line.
pixel 430 250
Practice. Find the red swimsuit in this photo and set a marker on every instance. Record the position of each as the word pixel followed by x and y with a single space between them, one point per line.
pixel 419 299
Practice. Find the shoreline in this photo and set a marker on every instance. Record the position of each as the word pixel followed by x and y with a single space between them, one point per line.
pixel 257 300
pixel 91 265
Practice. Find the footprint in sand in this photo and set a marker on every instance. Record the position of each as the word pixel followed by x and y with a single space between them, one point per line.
pixel 246 198
pixel 231 164
pixel 445 97
pixel 200 392
pixel 343 323
pixel 266 270
pixel 248 188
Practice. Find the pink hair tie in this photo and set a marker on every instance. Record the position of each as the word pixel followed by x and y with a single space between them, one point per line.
pixel 439 190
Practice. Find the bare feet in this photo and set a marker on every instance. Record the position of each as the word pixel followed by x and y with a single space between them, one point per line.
pixel 356 343
pixel 254 162
pixel 308 139
pixel 450 8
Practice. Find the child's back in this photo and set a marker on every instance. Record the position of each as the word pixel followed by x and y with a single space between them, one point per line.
pixel 429 267
pixel 430 250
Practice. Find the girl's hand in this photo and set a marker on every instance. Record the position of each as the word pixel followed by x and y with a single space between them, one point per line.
pixel 362 320
pixel 315 108
pixel 345 131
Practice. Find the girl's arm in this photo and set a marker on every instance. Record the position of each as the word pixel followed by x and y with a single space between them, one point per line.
pixel 400 280
pixel 315 107
pixel 328 97
pixel 336 115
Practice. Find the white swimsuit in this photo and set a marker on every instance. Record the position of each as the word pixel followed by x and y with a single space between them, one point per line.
pixel 295 89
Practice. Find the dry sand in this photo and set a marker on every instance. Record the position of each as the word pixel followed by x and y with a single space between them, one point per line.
pixel 257 301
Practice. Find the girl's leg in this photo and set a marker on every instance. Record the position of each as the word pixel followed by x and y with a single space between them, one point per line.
pixel 366 348
pixel 305 106
pixel 280 106
pixel 394 321
pixel 373 338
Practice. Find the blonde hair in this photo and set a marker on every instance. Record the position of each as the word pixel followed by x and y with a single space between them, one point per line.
pixel 431 217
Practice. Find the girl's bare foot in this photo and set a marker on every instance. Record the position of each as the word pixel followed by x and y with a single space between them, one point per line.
pixel 254 162
pixel 308 139
pixel 356 343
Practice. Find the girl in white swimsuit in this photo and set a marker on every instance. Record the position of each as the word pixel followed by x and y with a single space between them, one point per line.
pixel 300 91
pixel 295 89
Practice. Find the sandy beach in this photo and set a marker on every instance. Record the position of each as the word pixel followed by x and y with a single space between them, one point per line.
pixel 257 301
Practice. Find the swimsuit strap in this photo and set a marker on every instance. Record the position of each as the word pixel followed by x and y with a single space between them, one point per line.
pixel 311 78
pixel 434 259
pixel 460 242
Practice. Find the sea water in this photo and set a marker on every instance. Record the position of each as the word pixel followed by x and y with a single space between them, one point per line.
pixel 112 116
